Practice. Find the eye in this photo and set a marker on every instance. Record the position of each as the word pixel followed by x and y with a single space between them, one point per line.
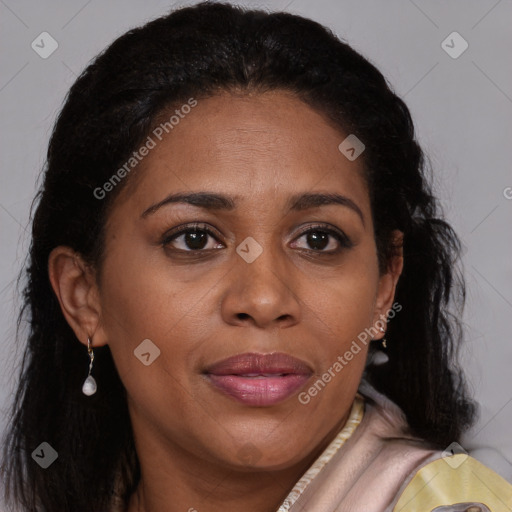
pixel 193 238
pixel 318 238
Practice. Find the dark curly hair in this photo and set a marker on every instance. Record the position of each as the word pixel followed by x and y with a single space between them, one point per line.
pixel 199 51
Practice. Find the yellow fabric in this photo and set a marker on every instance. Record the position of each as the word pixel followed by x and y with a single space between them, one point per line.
pixel 455 479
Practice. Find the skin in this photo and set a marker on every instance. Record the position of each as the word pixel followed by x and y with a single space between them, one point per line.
pixel 199 309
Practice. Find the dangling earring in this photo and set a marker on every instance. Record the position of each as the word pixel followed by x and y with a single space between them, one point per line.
pixel 384 345
pixel 89 387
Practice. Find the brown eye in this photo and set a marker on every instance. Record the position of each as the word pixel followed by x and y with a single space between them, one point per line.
pixel 318 238
pixel 190 238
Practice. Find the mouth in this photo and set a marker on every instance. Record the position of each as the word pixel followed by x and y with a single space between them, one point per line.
pixel 259 379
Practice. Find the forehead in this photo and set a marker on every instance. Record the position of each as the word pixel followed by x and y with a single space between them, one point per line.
pixel 263 147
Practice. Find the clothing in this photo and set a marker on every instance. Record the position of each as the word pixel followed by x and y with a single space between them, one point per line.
pixel 374 464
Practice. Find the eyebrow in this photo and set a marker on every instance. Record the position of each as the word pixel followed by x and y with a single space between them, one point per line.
pixel 214 201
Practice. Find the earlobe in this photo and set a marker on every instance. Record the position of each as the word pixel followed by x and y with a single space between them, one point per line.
pixel 74 284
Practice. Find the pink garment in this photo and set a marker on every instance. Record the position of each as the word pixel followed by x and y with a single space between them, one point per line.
pixel 367 472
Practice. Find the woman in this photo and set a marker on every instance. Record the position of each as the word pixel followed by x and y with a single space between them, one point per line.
pixel 238 287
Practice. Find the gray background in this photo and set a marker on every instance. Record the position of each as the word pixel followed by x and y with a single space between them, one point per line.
pixel 462 111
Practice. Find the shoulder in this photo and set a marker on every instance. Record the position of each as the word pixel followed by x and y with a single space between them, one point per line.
pixel 427 479
pixel 455 483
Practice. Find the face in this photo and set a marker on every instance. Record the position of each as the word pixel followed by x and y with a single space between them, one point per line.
pixel 258 272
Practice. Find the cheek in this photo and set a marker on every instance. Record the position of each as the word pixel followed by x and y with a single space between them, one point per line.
pixel 143 299
pixel 343 319
pixel 341 308
pixel 140 308
pixel 341 311
pixel 346 297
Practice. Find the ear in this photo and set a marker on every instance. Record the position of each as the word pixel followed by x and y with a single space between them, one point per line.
pixel 388 281
pixel 74 284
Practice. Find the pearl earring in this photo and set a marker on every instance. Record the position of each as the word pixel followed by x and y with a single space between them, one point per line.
pixel 89 387
pixel 381 329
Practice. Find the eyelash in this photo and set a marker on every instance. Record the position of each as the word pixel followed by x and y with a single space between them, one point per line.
pixel 343 239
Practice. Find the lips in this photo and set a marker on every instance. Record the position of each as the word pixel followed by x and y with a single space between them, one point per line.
pixel 259 379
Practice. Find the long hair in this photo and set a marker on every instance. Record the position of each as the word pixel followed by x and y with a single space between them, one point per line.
pixel 197 52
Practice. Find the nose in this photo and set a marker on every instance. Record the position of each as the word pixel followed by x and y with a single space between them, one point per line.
pixel 264 292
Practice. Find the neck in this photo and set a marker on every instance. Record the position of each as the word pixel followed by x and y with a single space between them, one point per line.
pixel 174 480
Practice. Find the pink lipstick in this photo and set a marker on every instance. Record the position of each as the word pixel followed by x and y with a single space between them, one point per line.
pixel 259 379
